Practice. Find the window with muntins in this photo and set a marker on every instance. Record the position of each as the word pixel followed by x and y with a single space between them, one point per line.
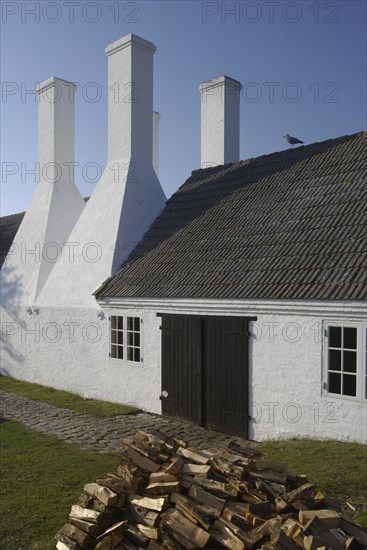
pixel 346 358
pixel 125 338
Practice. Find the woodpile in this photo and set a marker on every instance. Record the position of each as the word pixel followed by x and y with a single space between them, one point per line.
pixel 166 495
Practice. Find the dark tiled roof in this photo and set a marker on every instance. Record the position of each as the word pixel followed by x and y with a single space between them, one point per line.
pixel 289 225
pixel 9 226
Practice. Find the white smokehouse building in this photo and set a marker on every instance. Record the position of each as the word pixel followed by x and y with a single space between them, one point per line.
pixel 238 304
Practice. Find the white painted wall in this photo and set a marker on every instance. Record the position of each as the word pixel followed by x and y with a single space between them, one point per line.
pixel 286 376
pixel 286 365
pixel 220 121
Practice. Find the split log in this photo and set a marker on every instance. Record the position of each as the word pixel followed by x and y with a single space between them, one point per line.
pixel 221 533
pixel 157 504
pixel 194 536
pixel 329 518
pixel 105 495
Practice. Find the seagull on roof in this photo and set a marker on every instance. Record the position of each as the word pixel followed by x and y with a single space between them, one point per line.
pixel 292 140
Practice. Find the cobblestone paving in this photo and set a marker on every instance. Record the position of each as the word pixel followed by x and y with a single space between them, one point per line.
pixel 102 434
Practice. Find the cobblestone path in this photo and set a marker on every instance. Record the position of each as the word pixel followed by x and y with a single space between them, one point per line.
pixel 102 434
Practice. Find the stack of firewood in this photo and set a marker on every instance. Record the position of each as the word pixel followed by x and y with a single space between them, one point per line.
pixel 166 495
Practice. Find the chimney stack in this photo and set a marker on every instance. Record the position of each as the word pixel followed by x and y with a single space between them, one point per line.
pixel 130 106
pixel 156 119
pixel 220 121
pixel 56 130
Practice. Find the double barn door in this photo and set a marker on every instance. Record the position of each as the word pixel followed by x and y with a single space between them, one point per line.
pixel 204 371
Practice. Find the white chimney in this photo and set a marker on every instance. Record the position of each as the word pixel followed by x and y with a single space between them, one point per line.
pixel 56 204
pixel 220 121
pixel 130 106
pixel 156 119
pixel 128 197
pixel 56 130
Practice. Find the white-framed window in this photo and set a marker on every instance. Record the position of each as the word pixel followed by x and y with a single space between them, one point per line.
pixel 346 360
pixel 125 338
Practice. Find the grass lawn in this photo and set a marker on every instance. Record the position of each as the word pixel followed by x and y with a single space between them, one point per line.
pixel 338 469
pixel 64 399
pixel 41 477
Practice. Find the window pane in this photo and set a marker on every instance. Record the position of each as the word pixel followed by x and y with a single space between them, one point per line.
pixel 113 337
pixel 120 352
pixel 350 361
pixel 129 323
pixel 120 321
pixel 334 382
pixel 137 339
pixel 349 384
pixel 120 337
pixel 350 338
pixel 137 354
pixel 137 324
pixel 113 352
pixel 335 337
pixel 130 338
pixel 113 322
pixel 130 354
pixel 335 359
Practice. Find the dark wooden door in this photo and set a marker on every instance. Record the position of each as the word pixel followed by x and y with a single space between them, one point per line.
pixel 225 400
pixel 204 371
pixel 181 367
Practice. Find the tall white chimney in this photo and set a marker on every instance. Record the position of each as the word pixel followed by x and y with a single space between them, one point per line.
pixel 156 119
pixel 220 121
pixel 128 197
pixel 56 129
pixel 56 204
pixel 130 107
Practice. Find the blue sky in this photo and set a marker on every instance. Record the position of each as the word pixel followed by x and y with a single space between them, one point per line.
pixel 302 65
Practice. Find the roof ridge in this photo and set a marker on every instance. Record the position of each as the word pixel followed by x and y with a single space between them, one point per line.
pixel 220 167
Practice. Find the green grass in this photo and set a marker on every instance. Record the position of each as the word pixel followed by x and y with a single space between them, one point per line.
pixel 338 469
pixel 64 399
pixel 41 477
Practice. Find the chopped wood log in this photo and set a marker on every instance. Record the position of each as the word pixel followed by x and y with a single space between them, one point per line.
pixel 206 498
pixel 149 532
pixel 221 533
pixel 269 475
pixel 70 532
pixel 92 516
pixel 240 533
pixel 193 457
pixel 139 515
pixel 162 477
pixel 163 488
pixel 257 508
pixel 144 463
pixel 194 469
pixel 356 531
pixel 176 466
pixel 118 527
pixel 105 495
pixel 194 511
pixel 300 493
pixel 270 527
pixel 221 490
pixel 329 518
pixel 91 528
pixel 316 532
pixel 185 529
pixel 158 504
pixel 136 537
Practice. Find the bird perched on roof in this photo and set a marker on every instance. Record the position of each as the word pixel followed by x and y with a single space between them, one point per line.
pixel 292 140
